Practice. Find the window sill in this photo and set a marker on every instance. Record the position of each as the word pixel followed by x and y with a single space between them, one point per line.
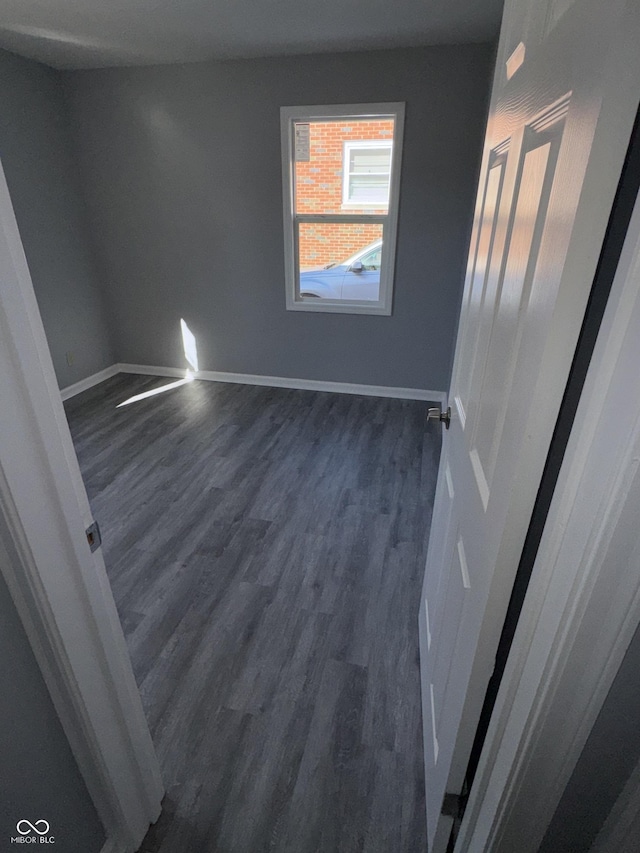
pixel 326 306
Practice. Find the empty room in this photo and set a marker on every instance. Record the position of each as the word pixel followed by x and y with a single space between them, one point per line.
pixel 311 322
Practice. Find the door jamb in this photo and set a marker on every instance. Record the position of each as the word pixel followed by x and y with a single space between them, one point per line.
pixel 60 589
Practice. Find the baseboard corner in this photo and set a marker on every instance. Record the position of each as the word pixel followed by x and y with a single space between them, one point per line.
pixel 89 382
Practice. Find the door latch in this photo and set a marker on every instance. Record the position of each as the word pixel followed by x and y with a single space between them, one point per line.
pixel 436 414
pixel 93 536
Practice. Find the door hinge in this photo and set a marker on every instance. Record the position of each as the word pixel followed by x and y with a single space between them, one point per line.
pixel 93 536
pixel 453 806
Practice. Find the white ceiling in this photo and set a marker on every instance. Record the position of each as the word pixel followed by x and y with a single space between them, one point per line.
pixel 98 33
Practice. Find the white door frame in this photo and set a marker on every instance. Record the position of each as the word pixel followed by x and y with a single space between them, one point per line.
pixel 59 587
pixel 583 602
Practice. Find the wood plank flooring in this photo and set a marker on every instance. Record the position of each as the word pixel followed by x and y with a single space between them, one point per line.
pixel 266 550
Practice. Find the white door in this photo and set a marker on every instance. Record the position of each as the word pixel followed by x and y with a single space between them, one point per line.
pixel 564 98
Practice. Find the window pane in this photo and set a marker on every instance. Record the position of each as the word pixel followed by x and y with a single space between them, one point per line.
pixel 339 261
pixel 368 189
pixel 370 160
pixel 328 161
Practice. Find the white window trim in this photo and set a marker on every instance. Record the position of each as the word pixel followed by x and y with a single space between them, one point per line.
pixel 348 146
pixel 289 115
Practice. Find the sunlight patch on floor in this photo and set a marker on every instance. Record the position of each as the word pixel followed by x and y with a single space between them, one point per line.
pixel 189 377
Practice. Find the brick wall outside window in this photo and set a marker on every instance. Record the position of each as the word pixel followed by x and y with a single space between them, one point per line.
pixel 319 190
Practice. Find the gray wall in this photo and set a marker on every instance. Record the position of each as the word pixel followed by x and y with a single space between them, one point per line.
pixel 39 778
pixel 36 154
pixel 182 176
pixel 609 756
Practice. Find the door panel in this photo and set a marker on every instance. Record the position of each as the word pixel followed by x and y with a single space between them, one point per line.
pixel 511 303
pixel 551 163
pixel 443 519
pixel 481 269
pixel 454 607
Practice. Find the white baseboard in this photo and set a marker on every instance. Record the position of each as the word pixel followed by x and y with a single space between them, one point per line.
pixel 88 382
pixel 286 382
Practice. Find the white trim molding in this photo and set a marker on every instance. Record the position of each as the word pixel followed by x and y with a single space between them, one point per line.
pixel 60 589
pixel 583 602
pixel 289 382
pixel 88 382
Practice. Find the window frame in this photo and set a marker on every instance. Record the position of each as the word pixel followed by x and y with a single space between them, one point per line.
pixel 289 116
pixel 348 146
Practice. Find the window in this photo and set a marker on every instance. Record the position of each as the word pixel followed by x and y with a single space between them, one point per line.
pixel 341 179
pixel 366 173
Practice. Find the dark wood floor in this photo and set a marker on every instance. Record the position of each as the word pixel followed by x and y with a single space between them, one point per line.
pixel 266 550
